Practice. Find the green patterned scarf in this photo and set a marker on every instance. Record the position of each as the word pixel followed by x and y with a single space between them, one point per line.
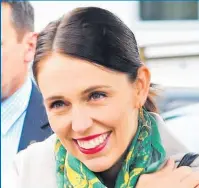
pixel 145 155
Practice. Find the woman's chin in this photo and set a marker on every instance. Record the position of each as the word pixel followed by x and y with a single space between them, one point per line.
pixel 98 168
pixel 98 164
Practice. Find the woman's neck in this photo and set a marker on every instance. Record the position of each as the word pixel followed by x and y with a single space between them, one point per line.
pixel 109 176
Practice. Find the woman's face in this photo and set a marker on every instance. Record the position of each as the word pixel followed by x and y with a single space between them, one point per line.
pixel 92 110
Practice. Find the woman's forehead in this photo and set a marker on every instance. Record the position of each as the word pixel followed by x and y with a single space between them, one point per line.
pixel 59 65
pixel 63 73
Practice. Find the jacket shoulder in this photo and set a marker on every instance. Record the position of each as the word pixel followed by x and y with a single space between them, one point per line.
pixel 39 149
pixel 171 144
pixel 34 164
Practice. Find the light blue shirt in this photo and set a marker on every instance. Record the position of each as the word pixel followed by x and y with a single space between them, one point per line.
pixel 13 112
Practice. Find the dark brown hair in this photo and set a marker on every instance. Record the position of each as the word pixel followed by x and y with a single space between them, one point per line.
pixel 96 35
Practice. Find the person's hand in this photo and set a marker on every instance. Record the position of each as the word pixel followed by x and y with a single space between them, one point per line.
pixel 170 177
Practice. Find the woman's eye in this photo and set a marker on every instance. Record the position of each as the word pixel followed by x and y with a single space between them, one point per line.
pixel 57 104
pixel 97 95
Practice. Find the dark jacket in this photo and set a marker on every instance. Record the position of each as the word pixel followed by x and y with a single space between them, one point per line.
pixel 36 127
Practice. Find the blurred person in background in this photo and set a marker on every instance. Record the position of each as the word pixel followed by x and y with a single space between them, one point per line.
pixel 97 96
pixel 23 115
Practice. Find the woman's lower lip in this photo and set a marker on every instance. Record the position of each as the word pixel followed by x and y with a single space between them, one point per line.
pixel 93 150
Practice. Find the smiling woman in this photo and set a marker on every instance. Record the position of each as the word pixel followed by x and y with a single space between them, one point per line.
pixel 96 93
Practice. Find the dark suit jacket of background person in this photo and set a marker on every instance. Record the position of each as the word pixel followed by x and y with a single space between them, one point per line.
pixel 36 126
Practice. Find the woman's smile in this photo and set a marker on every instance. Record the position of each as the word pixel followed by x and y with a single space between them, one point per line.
pixel 92 144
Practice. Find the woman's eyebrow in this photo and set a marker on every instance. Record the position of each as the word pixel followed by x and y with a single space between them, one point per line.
pixel 52 98
pixel 90 89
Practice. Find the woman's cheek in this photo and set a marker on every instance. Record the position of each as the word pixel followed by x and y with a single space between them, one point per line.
pixel 110 116
pixel 59 124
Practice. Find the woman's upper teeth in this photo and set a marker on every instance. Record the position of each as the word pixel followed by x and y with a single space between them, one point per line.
pixel 93 142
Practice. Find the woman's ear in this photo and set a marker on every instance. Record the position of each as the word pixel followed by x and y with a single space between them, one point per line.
pixel 142 84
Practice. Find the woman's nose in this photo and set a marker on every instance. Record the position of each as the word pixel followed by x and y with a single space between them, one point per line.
pixel 81 121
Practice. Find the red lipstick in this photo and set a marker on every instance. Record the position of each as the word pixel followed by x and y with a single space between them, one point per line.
pixel 96 149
